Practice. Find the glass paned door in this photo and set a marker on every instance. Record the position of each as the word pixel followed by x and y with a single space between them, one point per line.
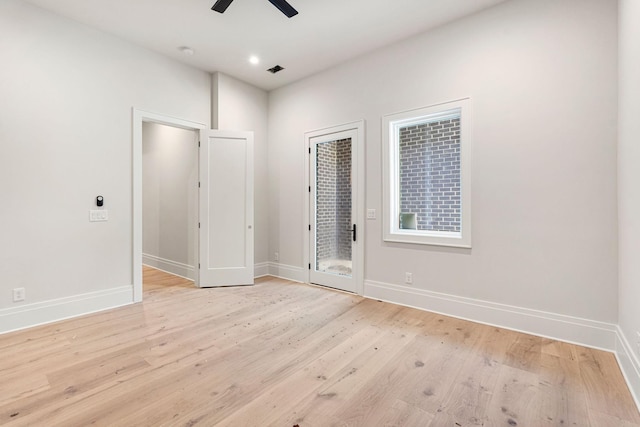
pixel 333 225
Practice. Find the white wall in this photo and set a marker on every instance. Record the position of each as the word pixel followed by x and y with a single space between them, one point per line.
pixel 170 198
pixel 542 76
pixel 67 94
pixel 239 106
pixel 629 177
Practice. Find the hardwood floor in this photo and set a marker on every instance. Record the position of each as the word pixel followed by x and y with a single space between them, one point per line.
pixel 285 354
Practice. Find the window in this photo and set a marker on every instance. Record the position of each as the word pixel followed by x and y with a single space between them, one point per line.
pixel 426 175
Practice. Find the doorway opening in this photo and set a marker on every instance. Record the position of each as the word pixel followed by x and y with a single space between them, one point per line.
pixel 141 117
pixel 170 199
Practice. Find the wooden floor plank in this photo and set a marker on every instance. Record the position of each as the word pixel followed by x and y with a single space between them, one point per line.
pixel 275 402
pixel 515 400
pixel 562 396
pixel 524 353
pixel 284 354
pixel 351 384
pixel 604 385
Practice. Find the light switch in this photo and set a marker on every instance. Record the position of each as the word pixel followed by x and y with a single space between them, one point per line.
pixel 371 214
pixel 96 215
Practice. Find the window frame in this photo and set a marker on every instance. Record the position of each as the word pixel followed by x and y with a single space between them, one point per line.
pixel 391 177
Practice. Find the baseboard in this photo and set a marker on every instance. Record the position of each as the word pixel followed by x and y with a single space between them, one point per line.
pixel 288 272
pixel 629 364
pixel 26 316
pixel 173 267
pixel 261 269
pixel 570 329
pixel 188 271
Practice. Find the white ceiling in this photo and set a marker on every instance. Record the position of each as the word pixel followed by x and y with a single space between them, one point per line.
pixel 323 34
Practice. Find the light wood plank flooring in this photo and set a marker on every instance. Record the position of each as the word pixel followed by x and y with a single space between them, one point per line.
pixel 286 354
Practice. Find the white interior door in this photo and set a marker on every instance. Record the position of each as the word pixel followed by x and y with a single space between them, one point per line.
pixel 333 207
pixel 226 208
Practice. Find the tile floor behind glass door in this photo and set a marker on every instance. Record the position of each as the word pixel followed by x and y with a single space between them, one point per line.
pixel 336 266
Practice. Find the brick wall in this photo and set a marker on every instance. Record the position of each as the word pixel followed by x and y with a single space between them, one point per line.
pixel 343 197
pixel 333 200
pixel 430 174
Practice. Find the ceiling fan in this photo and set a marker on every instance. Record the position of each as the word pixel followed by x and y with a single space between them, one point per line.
pixel 282 5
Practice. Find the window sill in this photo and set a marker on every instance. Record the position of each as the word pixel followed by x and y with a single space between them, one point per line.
pixel 454 240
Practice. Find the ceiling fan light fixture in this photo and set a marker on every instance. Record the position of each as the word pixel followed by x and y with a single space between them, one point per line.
pixel 221 5
pixel 283 6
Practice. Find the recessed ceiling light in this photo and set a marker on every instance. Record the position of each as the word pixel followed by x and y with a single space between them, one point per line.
pixel 254 60
pixel 186 50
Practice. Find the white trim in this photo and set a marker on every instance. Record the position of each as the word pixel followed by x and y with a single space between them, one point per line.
pixel 27 316
pixel 570 329
pixel 391 185
pixel 629 364
pixel 138 117
pixel 358 169
pixel 261 269
pixel 188 271
pixel 176 268
pixel 288 272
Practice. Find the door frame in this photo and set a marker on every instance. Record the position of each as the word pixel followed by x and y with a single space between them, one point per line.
pixel 139 117
pixel 358 189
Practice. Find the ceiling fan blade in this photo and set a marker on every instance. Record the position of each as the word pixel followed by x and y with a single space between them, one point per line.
pixel 284 7
pixel 221 5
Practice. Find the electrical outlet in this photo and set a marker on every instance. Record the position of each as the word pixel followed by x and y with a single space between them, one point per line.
pixel 408 278
pixel 19 294
pixel 371 214
pixel 276 256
